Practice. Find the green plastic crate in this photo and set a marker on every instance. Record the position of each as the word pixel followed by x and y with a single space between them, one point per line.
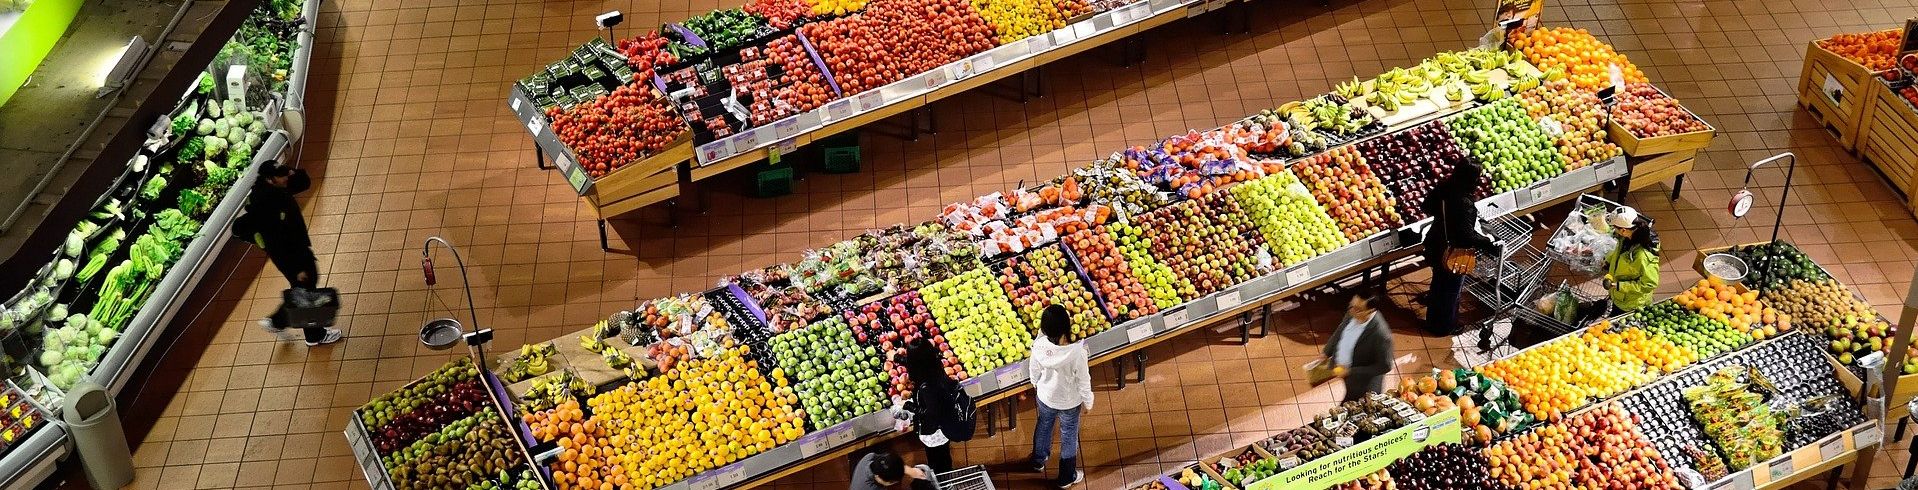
pixel 842 160
pixel 772 182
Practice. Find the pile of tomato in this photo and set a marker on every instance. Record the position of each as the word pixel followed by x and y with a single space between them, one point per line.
pixel 617 129
pixel 894 39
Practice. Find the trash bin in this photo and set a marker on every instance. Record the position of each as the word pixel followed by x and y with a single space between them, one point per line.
pixel 94 421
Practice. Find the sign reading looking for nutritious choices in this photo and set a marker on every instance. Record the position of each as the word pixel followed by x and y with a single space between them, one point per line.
pixel 1367 457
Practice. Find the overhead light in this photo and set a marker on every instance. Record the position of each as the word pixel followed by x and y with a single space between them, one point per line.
pixel 115 70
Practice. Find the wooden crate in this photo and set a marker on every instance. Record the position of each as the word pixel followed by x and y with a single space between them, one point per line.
pixel 643 183
pixel 1656 168
pixel 1839 112
pixel 1888 137
pixel 1657 145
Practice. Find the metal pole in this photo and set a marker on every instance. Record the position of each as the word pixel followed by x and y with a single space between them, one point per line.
pixel 1791 170
pixel 426 252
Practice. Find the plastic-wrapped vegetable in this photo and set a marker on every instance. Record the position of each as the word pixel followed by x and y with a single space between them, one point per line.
pixel 214 145
pixel 76 241
pixel 205 127
pixel 63 269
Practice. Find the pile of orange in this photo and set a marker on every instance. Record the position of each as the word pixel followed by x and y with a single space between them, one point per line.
pixel 1565 374
pixel 1578 55
pixel 1725 303
pixel 1875 50
pixel 705 414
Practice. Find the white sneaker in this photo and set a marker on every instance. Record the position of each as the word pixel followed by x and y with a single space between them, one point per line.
pixel 1077 478
pixel 267 325
pixel 332 335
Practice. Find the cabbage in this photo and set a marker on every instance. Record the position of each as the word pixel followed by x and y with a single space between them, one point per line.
pixel 214 145
pixel 231 107
pixel 104 337
pixel 76 241
pixel 242 118
pixel 51 358
pixel 63 269
pixel 58 313
pixel 213 110
pixel 205 127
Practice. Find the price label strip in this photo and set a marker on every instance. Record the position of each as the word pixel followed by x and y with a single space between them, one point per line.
pixel 1298 275
pixel 1012 376
pixel 1229 299
pixel 1831 449
pixel 813 445
pixel 1135 334
pixel 1781 468
pixel 534 126
pixel 1868 436
pixel 1175 318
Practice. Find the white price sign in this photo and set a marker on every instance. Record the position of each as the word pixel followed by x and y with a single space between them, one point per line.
pixel 1038 44
pixel 840 438
pixel 1781 468
pixel 703 483
pixel 1831 449
pixel 1229 299
pixel 839 109
pixel 1289 462
pixel 1421 433
pixel 1175 318
pixel 516 104
pixel 813 446
pixel 1342 441
pixel 748 141
pixel 1541 191
pixel 1868 436
pixel 733 476
pixel 1012 376
pixel 1141 332
pixel 870 100
pixel 1298 275
pixel 535 125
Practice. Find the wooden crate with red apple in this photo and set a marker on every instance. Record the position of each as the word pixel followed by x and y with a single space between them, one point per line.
pixel 1832 84
pixel 1661 138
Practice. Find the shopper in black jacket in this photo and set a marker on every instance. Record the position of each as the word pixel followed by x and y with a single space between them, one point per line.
pixel 1360 350
pixel 1454 226
pixel 931 406
pixel 273 222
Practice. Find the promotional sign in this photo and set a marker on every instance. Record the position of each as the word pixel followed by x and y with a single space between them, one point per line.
pixel 1516 16
pixel 1367 457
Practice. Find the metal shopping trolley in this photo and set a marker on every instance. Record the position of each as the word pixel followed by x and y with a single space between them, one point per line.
pixel 1575 260
pixel 968 478
pixel 1504 276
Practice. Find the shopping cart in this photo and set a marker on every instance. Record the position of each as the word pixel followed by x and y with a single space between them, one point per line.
pixel 1505 275
pixel 968 478
pixel 1574 261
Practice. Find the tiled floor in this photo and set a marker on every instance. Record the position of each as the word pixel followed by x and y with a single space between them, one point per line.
pixel 410 138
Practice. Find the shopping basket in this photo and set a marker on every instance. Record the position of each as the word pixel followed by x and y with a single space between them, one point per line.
pixel 968 478
pixel 310 308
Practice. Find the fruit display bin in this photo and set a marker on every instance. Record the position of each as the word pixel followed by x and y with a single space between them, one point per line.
pixel 372 462
pixel 1832 88
pixel 1888 138
pixel 1658 145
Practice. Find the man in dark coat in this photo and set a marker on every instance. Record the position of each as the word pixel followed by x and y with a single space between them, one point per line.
pixel 1360 350
pixel 273 223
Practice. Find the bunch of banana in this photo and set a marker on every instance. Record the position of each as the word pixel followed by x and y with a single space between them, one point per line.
pixel 532 361
pixel 549 391
pixel 1488 92
pixel 613 356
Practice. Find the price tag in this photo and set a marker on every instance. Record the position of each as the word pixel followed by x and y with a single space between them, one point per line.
pixel 1289 462
pixel 731 477
pixel 984 63
pixel 516 104
pixel 1618 78
pixel 1834 90
pixel 1175 318
pixel 702 482
pixel 1298 275
pixel 1342 441
pixel 715 151
pixel 1743 480
pixel 1163 5
pixel 747 141
pixel 813 445
pixel 786 128
pixel 1229 299
pixel 1064 36
pixel 840 438
pixel 1421 433
pixel 1135 334
pixel 1384 243
pixel 1831 449
pixel 1868 436
pixel 1139 11
pixel 1038 44
pixel 870 100
pixel 839 109
pixel 1781 468
pixel 1012 376
pixel 1104 21
pixel 1085 30
pixel 787 146
pixel 1329 424
pixel 534 126
pixel 1541 191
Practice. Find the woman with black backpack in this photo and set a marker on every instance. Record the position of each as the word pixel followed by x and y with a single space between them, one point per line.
pixel 939 411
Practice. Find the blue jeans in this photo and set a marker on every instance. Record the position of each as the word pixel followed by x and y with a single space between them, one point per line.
pixel 1068 421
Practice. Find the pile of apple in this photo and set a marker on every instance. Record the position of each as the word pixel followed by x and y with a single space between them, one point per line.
pixel 894 39
pixel 1704 337
pixel 1166 287
pixel 1742 311
pixel 1013 20
pixel 1342 181
pixel 1555 378
pixel 1044 277
pixel 893 325
pixel 1579 118
pixel 978 320
pixel 1616 454
pixel 1210 253
pixel 836 378
pixel 1294 225
pixel 617 129
pixel 1648 112
pixel 1120 291
pixel 797 86
pixel 706 414
pixel 1511 146
pixel 1412 161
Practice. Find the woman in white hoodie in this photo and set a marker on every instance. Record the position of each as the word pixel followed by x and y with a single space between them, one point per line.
pixel 1064 387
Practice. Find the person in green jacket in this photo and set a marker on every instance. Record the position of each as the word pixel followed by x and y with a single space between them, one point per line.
pixel 1631 270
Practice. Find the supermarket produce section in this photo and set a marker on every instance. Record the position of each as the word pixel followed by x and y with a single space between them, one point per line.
pixel 96 308
pixel 784 367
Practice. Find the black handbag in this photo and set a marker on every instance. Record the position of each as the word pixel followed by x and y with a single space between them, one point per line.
pixel 963 419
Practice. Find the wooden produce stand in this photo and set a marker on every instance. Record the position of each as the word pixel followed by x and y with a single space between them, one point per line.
pixel 1834 90
pixel 1657 158
pixel 1888 138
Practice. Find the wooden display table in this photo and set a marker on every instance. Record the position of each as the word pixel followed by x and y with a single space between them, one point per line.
pixel 1657 158
pixel 1888 137
pixel 1833 89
